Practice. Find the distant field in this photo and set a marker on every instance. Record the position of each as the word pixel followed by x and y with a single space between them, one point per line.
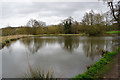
pixel 113 32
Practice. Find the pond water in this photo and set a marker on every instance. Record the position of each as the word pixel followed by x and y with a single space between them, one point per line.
pixel 66 56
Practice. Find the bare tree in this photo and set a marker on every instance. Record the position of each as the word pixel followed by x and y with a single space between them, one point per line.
pixel 33 23
pixel 42 24
pixel 108 18
pixel 92 18
pixel 115 10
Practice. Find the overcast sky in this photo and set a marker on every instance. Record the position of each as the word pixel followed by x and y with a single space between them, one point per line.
pixel 18 13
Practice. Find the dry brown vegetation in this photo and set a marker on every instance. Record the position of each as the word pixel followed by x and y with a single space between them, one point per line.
pixel 4 38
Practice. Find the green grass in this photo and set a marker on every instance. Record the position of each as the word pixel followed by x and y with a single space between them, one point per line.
pixel 99 68
pixel 106 68
pixel 113 32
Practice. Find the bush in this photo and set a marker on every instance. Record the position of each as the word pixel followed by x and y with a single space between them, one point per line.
pixel 95 30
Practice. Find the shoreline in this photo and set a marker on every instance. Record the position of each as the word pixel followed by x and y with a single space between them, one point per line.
pixel 100 68
pixel 7 39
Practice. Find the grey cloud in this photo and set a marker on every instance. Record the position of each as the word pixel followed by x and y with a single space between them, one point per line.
pixel 48 9
pixel 63 9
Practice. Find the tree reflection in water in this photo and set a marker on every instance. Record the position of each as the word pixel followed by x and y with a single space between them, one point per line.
pixel 91 46
pixel 69 43
pixel 35 43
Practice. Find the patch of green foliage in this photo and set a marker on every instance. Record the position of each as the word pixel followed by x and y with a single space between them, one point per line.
pixel 95 30
pixel 113 32
pixel 106 68
pixel 92 71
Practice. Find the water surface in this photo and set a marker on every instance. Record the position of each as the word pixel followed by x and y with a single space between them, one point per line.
pixel 67 56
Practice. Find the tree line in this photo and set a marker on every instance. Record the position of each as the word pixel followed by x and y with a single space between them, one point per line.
pixel 91 24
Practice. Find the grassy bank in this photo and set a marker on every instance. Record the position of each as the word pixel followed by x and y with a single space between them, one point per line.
pixel 106 68
pixel 113 32
pixel 101 67
pixel 7 39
